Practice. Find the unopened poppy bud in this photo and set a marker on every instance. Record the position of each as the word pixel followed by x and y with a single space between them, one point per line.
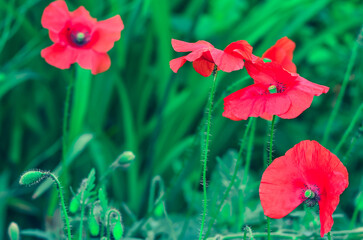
pixel 94 227
pixel 13 231
pixel 74 205
pixel 309 194
pixel 117 230
pixel 124 160
pixel 272 89
pixel 32 177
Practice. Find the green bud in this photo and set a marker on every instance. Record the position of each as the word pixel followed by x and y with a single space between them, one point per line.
pixel 94 227
pixel 74 205
pixel 13 231
pixel 32 177
pixel 117 230
pixel 272 89
pixel 124 160
pixel 159 210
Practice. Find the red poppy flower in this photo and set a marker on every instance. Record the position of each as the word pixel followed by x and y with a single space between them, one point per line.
pixel 307 173
pixel 204 56
pixel 275 92
pixel 79 38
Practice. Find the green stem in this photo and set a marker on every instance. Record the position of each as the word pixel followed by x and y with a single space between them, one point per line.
pixel 349 129
pixel 65 124
pixel 354 218
pixel 61 198
pixel 206 149
pixel 108 221
pixel 81 220
pixel 344 86
pixel 238 163
pixel 329 236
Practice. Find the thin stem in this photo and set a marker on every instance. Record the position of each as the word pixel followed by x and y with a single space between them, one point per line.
pixel 108 221
pixel 329 236
pixel 344 86
pixel 81 220
pixel 61 198
pixel 349 129
pixel 238 163
pixel 206 149
pixel 354 218
pixel 66 122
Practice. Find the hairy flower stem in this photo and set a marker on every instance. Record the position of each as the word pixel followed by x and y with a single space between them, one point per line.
pixel 268 164
pixel 329 236
pixel 82 216
pixel 238 163
pixel 206 150
pixel 343 87
pixel 108 214
pixel 61 198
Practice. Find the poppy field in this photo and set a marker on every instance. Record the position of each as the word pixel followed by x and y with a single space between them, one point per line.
pixel 158 120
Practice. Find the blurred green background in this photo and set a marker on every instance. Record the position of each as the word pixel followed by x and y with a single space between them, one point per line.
pixel 140 105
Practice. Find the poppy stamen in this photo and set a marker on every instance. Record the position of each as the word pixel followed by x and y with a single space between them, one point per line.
pixel 272 89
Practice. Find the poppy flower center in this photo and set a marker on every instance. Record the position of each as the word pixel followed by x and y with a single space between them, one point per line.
pixel 272 89
pixel 311 196
pixel 80 38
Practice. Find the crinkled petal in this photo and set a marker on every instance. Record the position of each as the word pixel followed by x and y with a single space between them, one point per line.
pixel 55 16
pixel 254 101
pixel 225 61
pixel 310 87
pixel 327 206
pixel 82 12
pixel 195 55
pixel 300 101
pixel 96 62
pixel 177 63
pixel 106 33
pixel 203 67
pixel 181 46
pixel 241 48
pixel 281 187
pixel 282 53
pixel 59 56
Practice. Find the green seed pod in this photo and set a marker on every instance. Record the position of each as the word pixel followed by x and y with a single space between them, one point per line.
pixel 117 230
pixel 13 231
pixel 32 177
pixel 94 227
pixel 74 205
pixel 159 210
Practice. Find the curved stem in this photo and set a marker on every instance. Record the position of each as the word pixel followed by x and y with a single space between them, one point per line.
pixel 344 86
pixel 206 150
pixel 108 221
pixel 61 198
pixel 238 163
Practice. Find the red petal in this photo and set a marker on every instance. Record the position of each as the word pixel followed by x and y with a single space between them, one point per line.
pixel 281 187
pixel 300 101
pixel 253 101
pixel 83 13
pixel 55 16
pixel 97 62
pixel 106 33
pixel 327 206
pixel 59 56
pixel 181 46
pixel 203 67
pixel 177 63
pixel 226 61
pixel 310 87
pixel 282 53
pixel 241 48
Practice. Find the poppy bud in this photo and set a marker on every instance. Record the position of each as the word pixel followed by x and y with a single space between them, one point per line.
pixel 117 230
pixel 94 227
pixel 74 205
pixel 32 177
pixel 124 160
pixel 13 231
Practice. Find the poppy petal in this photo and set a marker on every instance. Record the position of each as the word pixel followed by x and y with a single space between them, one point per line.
pixel 55 16
pixel 226 61
pixel 181 46
pixel 96 62
pixel 177 63
pixel 282 53
pixel 310 87
pixel 107 33
pixel 300 101
pixel 59 56
pixel 83 13
pixel 327 206
pixel 280 188
pixel 241 48
pixel 203 67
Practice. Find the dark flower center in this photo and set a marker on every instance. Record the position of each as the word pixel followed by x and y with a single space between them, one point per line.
pixel 311 195
pixel 80 38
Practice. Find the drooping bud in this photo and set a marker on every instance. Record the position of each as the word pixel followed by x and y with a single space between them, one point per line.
pixel 124 160
pixel 32 177
pixel 94 227
pixel 74 205
pixel 13 231
pixel 117 230
pixel 272 89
